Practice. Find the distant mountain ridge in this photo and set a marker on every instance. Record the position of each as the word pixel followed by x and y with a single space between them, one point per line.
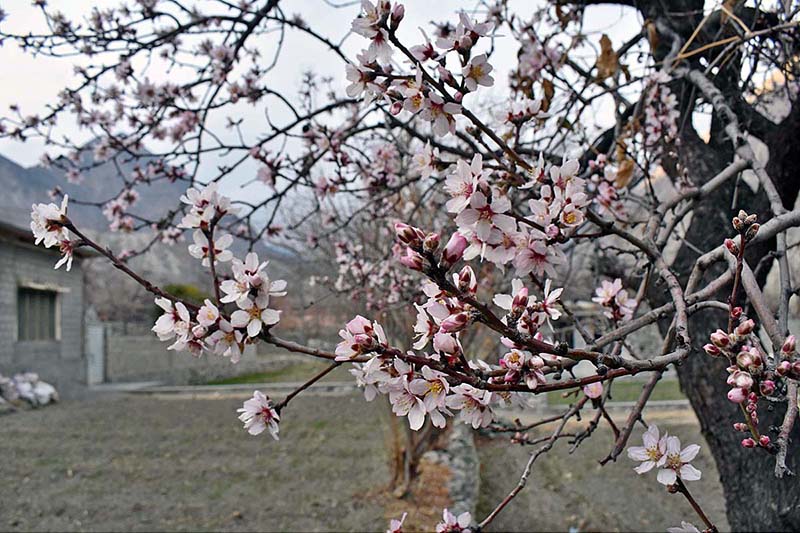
pixel 21 187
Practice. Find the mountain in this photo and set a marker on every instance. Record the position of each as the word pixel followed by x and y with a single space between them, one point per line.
pixel 25 186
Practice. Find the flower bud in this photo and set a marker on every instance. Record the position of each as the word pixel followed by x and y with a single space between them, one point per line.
pixel 454 323
pixel 796 368
pixel 736 395
pixel 789 345
pixel 750 219
pixel 408 235
pixel 748 443
pixel 745 328
pixel 712 350
pixel 743 380
pixel 731 246
pixel 453 250
pixel 398 13
pixel 412 260
pixel 767 387
pixel 466 280
pixel 720 339
pixel 744 359
pixel 740 426
pixel 396 108
pixel 737 312
pixel 784 367
pixel 431 242
pixel 764 441
pixel 750 408
pixel 520 301
pixel 752 398
pixel 751 233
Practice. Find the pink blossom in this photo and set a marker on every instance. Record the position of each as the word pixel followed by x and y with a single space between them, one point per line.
pixel 675 462
pixel 258 414
pixel 474 405
pixel 452 524
pixel 651 453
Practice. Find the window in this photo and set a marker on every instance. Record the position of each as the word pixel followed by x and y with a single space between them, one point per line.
pixel 37 314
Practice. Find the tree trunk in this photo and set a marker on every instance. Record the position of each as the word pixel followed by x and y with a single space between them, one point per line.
pixel 756 500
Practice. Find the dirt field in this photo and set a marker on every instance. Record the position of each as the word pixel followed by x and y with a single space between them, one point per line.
pixel 136 463
pixel 573 492
pixel 118 463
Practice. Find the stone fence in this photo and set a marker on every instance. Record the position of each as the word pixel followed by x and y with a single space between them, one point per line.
pixel 133 353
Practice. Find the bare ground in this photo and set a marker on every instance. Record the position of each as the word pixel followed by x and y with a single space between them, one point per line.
pixel 573 492
pixel 116 463
pixel 138 463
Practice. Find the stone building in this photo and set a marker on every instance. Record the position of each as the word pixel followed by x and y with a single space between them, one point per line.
pixel 41 312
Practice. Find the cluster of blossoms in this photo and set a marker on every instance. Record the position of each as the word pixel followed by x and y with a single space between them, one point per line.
pixel 419 385
pixel 661 111
pixel 419 93
pixel 665 453
pixel 617 305
pixel 484 215
pixel 116 210
pixel 47 224
pixel 750 376
pixel 249 288
pixel 606 187
pixel 206 206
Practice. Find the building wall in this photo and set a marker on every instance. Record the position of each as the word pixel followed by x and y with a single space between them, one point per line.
pixel 59 362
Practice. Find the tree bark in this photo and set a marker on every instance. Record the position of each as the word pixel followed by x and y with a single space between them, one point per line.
pixel 756 500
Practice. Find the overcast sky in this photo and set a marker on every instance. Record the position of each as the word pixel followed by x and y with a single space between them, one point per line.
pixel 33 82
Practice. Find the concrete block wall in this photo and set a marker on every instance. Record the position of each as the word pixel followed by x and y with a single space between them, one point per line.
pixel 134 353
pixel 60 362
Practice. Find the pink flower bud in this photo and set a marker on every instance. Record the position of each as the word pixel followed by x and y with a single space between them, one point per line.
pixel 736 395
pixel 408 235
pixel 431 243
pixel 748 443
pixel 784 367
pixel 453 250
pixel 738 223
pixel 750 408
pixel 731 246
pixel 412 260
pixel 767 387
pixel 752 398
pixel 745 328
pixel 743 380
pixel 466 280
pixel 789 345
pixel 737 312
pixel 398 13
pixel 396 108
pixel 720 339
pixel 796 368
pixel 454 323
pixel 751 233
pixel 764 441
pixel 740 426
pixel 712 350
pixel 744 359
pixel 359 325
pixel 520 301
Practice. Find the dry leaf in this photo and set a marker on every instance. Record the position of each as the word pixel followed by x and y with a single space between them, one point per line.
pixel 607 62
pixel 652 34
pixel 624 173
pixel 549 91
